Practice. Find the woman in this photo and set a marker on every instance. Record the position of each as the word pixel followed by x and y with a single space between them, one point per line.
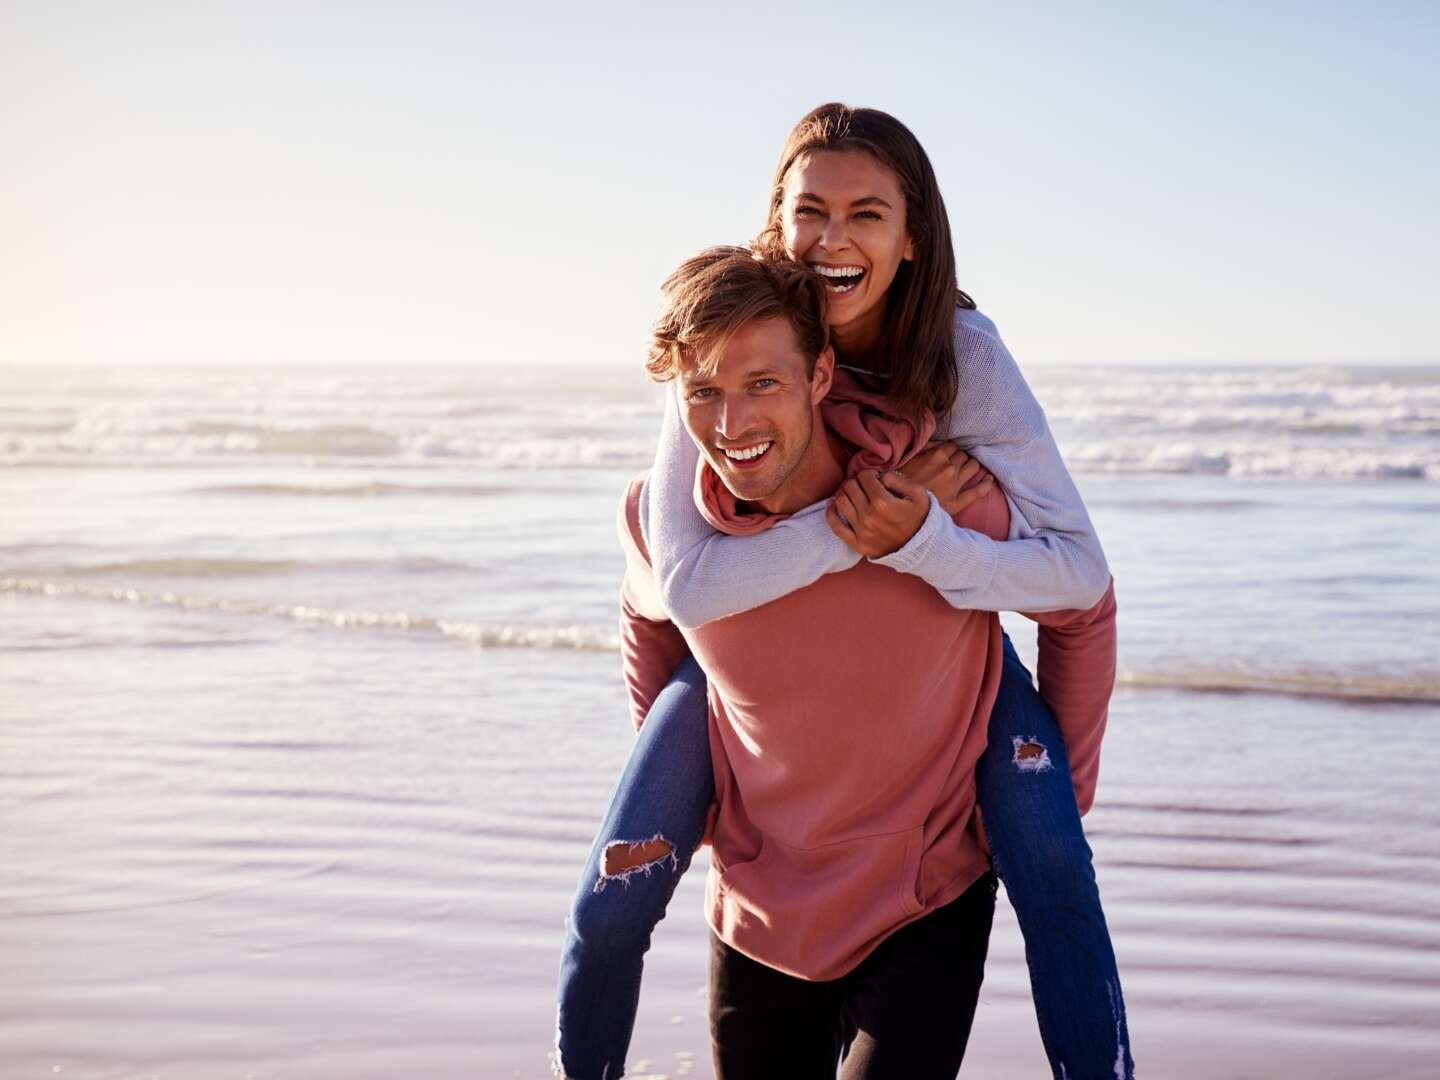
pixel 856 199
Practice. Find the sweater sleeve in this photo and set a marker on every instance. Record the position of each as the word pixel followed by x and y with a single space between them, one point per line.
pixel 704 575
pixel 1076 675
pixel 651 646
pixel 1052 559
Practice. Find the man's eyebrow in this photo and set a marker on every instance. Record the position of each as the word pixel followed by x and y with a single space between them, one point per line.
pixel 868 200
pixel 706 380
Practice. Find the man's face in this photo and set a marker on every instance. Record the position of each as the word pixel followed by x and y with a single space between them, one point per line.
pixel 754 415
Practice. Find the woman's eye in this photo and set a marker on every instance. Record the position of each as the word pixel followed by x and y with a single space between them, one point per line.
pixel 806 211
pixel 871 214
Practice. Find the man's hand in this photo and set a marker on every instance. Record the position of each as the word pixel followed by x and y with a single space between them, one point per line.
pixel 945 470
pixel 877 515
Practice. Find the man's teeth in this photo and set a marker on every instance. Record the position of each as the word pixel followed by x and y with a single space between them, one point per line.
pixel 748 453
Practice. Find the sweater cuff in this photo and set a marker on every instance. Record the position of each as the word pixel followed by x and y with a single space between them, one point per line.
pixel 942 553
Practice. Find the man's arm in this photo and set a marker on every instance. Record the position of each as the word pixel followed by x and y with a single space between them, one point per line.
pixel 1076 668
pixel 651 646
pixel 1076 674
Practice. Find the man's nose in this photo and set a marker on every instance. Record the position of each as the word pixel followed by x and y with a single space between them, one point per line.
pixel 736 417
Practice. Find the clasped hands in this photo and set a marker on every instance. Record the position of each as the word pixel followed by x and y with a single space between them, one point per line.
pixel 877 514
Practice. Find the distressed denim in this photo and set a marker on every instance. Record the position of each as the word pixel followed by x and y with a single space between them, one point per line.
pixel 664 792
pixel 1039 852
pixel 1037 845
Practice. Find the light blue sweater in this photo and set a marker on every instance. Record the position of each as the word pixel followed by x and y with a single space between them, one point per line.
pixel 1052 560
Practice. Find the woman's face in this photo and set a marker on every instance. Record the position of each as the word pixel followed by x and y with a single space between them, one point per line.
pixel 843 214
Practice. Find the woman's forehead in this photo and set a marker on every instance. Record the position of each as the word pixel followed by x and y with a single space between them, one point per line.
pixel 842 175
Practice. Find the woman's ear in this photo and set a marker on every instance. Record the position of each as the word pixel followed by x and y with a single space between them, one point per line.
pixel 824 375
pixel 909 254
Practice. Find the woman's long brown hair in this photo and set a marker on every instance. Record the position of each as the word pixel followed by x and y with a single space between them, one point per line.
pixel 920 304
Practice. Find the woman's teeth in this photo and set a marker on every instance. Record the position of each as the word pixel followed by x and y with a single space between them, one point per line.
pixel 748 453
pixel 840 279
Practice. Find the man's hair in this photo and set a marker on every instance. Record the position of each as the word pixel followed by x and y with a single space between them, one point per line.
pixel 712 295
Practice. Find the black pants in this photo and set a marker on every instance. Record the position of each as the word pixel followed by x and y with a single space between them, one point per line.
pixel 904 1012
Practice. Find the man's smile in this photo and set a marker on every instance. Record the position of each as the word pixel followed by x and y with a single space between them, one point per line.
pixel 746 457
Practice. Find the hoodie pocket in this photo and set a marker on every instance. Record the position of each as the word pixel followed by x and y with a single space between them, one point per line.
pixel 912 902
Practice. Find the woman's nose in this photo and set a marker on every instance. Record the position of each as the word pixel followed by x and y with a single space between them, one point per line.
pixel 835 236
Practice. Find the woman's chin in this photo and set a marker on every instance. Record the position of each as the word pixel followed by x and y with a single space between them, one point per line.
pixel 848 313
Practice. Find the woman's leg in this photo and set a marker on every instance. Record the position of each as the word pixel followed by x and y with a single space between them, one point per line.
pixel 1040 853
pixel 650 831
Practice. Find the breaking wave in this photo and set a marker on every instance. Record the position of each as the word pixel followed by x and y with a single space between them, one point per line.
pixel 1416 687
pixel 1332 686
pixel 202 567
pixel 484 635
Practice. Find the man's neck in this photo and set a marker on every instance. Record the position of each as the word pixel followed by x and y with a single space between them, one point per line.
pixel 817 476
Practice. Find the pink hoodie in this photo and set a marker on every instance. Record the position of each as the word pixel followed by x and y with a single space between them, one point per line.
pixel 846 721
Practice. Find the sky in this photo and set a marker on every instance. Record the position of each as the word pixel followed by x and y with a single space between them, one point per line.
pixel 386 183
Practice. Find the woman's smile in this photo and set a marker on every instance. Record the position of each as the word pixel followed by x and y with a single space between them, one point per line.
pixel 839 280
pixel 844 217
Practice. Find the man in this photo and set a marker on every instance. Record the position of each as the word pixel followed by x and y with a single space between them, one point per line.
pixel 849 900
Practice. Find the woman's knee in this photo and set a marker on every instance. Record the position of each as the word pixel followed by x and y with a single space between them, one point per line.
pixel 619 909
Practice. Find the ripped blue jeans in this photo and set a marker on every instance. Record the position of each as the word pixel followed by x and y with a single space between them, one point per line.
pixel 1038 849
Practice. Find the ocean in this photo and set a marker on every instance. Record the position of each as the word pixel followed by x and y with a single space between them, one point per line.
pixel 312 705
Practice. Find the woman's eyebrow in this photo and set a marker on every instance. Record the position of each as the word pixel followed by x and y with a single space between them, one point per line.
pixel 868 200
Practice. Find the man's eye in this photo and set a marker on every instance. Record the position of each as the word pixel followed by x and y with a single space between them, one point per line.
pixel 701 394
pixel 765 384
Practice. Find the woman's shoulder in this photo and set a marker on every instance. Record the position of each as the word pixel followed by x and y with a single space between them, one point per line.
pixel 973 323
pixel 982 358
pixel 993 401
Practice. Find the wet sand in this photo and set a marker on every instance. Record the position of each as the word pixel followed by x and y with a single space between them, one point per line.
pixel 372 883
pixel 310 705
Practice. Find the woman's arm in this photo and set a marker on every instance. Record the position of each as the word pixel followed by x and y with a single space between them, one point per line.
pixel 1052 559
pixel 704 575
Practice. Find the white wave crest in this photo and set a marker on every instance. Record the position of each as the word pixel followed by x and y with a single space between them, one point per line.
pixel 483 635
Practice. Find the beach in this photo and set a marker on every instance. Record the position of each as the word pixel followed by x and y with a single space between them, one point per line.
pixel 313 705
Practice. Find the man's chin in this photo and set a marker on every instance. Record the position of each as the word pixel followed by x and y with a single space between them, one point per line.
pixel 746 488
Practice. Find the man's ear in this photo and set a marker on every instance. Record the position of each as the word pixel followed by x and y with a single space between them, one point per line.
pixel 824 375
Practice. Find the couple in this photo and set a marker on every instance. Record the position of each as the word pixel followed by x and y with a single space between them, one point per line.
pixel 860 695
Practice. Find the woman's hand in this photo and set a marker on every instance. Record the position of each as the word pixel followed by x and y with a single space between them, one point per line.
pixel 877 515
pixel 946 470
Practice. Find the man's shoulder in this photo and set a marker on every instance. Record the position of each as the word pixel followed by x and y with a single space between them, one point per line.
pixel 638 591
pixel 632 537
